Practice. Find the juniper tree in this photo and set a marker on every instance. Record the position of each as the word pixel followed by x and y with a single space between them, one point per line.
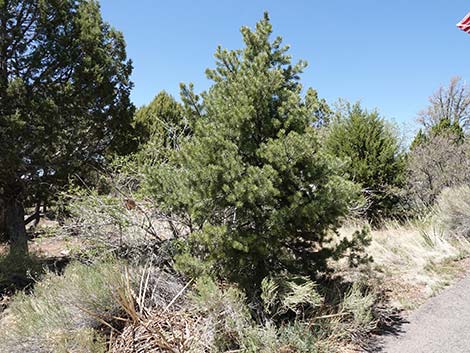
pixel 64 97
pixel 419 139
pixel 258 193
pixel 372 157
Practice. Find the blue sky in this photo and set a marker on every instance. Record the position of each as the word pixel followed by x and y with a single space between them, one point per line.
pixel 391 55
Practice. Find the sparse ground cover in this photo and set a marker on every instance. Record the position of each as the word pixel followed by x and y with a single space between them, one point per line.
pixel 414 261
pixel 99 304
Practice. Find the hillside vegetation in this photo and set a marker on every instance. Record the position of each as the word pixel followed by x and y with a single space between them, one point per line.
pixel 252 217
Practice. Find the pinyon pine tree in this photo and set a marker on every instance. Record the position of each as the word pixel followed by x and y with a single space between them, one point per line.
pixel 162 122
pixel 258 193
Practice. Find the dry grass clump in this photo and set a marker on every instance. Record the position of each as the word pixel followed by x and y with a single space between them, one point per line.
pixel 155 315
pixel 158 331
pixel 212 319
pixel 453 211
pixel 413 261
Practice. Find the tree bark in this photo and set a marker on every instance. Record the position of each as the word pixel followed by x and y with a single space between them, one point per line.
pixel 15 227
pixel 37 213
pixel 3 235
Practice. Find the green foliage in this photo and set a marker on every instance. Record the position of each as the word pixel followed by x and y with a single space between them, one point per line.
pixel 226 313
pixel 294 337
pixel 299 319
pixel 64 94
pixel 447 128
pixel 371 156
pixel 252 183
pixel 286 293
pixel 361 308
pixel 162 125
pixel 419 140
pixel 162 122
pixel 321 112
pixel 444 128
pixel 228 324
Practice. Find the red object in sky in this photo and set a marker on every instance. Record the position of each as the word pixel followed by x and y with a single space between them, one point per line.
pixel 464 25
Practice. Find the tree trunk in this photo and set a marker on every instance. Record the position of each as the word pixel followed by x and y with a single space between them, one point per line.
pixel 3 235
pixel 15 227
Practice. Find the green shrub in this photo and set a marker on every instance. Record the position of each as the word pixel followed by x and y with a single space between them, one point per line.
pixel 294 337
pixel 298 337
pixel 371 156
pixel 226 315
pixel 227 323
pixel 63 313
pixel 285 293
pixel 253 184
pixel 162 122
pixel 360 306
pixel 444 128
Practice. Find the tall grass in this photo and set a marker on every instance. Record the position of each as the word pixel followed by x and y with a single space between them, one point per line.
pixel 453 211
pixel 414 260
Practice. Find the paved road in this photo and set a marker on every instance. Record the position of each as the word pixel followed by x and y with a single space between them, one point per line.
pixel 442 325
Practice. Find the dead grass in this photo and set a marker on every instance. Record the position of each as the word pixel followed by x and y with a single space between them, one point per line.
pixel 412 262
pixel 453 211
pixel 75 312
pixel 161 331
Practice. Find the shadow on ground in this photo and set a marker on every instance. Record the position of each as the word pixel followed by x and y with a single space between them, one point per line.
pixel 390 324
pixel 20 273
